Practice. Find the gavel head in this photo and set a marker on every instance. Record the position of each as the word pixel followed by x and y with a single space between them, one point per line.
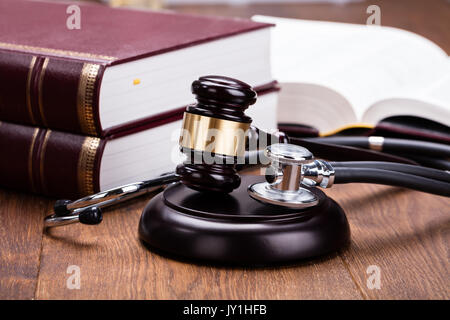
pixel 214 133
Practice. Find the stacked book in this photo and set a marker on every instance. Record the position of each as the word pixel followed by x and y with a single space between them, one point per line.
pixel 90 108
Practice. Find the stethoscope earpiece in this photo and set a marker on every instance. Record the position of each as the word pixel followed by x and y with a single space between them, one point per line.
pixel 60 207
pixel 92 216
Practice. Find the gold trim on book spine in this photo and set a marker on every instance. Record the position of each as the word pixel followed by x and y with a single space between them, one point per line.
pixel 86 164
pixel 65 53
pixel 42 159
pixel 40 91
pixel 85 100
pixel 28 90
pixel 30 158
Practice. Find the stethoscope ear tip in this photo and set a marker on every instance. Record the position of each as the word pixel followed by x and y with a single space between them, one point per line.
pixel 92 216
pixel 60 208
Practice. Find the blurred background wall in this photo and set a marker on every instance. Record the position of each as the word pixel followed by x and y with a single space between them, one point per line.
pixel 253 1
pixel 160 3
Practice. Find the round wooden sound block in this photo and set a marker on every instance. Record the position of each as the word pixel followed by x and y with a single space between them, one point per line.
pixel 236 229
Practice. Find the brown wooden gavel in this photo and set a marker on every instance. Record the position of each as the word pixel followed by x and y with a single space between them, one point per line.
pixel 216 129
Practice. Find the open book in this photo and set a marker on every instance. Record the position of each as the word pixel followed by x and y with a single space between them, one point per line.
pixel 337 75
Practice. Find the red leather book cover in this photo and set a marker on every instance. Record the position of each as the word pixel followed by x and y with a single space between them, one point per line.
pixel 50 76
pixel 61 164
pixel 54 163
pixel 49 162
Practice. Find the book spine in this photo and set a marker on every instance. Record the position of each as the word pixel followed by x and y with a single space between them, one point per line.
pixel 47 162
pixel 50 92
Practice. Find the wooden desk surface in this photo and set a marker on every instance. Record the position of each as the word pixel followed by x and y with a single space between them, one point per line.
pixel 405 233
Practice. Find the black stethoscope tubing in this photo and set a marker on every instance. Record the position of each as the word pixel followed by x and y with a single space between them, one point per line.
pixel 391 145
pixel 398 167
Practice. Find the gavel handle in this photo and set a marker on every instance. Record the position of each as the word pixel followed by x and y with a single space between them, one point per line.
pixel 259 139
pixel 255 145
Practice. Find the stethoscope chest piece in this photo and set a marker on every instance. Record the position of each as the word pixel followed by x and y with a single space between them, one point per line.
pixel 299 199
pixel 291 166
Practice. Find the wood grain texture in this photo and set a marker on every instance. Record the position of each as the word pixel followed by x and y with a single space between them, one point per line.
pixel 21 225
pixel 115 265
pixel 404 233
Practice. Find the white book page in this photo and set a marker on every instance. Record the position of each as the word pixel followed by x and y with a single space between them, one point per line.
pixel 431 102
pixel 363 63
pixel 438 92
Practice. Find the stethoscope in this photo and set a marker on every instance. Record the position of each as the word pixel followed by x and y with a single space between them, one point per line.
pixel 291 169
